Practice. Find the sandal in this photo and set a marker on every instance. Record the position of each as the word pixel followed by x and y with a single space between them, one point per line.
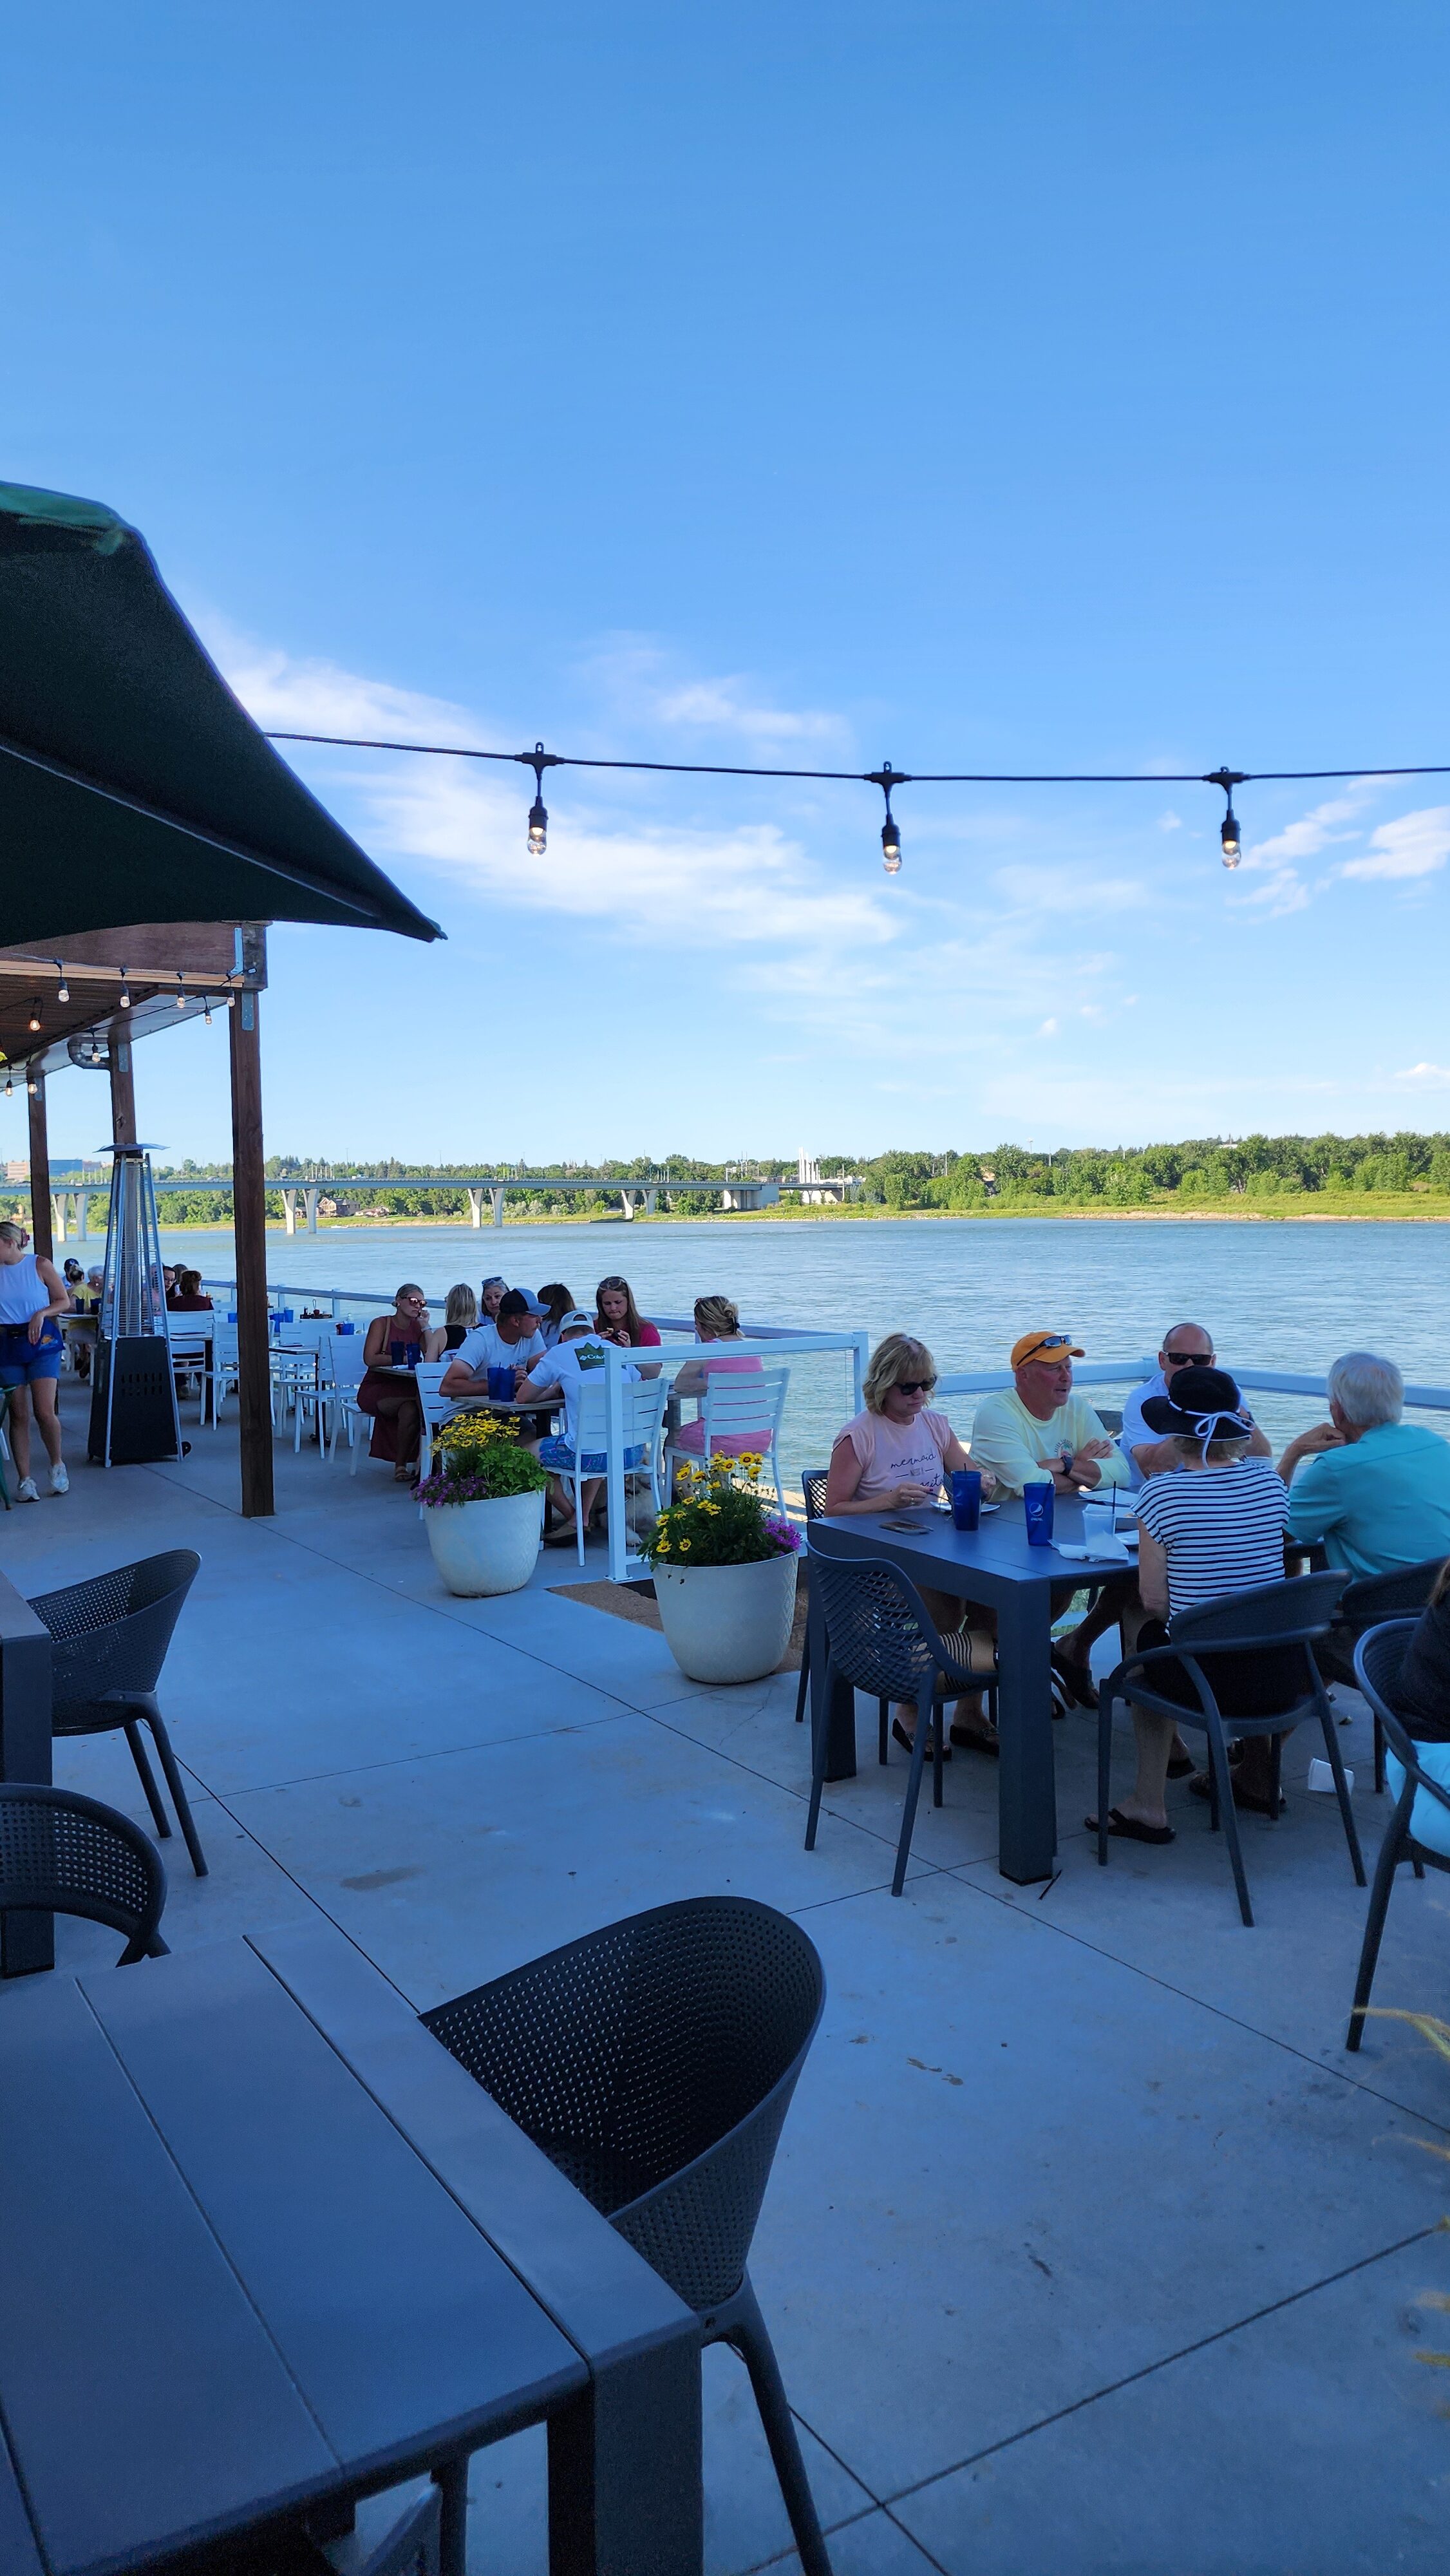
pixel 1181 1767
pixel 1075 1678
pixel 908 1742
pixel 972 1740
pixel 1246 1800
pixel 1127 1829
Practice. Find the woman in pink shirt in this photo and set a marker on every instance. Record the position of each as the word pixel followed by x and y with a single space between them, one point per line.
pixel 893 1455
pixel 716 1320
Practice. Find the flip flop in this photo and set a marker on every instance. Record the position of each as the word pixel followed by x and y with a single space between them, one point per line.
pixel 1126 1829
pixel 973 1741
pixel 1076 1680
pixel 908 1742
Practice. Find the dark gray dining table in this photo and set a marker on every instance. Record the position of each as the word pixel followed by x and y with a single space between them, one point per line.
pixel 269 2249
pixel 994 1565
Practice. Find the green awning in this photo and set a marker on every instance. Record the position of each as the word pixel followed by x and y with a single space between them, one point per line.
pixel 133 786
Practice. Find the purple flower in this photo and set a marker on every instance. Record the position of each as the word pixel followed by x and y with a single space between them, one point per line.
pixel 785 1534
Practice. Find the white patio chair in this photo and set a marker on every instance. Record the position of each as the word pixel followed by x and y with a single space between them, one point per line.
pixel 190 1337
pixel 436 1409
pixel 337 1393
pixel 224 1364
pixel 643 1411
pixel 738 1405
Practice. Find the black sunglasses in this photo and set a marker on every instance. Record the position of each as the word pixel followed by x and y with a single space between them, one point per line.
pixel 915 1385
pixel 1189 1359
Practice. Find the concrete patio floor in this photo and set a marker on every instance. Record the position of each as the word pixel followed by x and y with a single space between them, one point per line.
pixel 1087 2246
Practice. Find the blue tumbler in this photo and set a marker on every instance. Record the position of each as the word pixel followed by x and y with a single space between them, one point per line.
pixel 1037 1501
pixel 966 1498
pixel 501 1385
pixel 398 1354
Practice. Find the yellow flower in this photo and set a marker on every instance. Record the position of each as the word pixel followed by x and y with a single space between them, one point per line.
pixel 684 1547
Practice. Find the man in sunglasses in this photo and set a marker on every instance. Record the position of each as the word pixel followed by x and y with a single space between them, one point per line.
pixel 1186 1346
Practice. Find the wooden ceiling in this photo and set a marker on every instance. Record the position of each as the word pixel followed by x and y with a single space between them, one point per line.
pixel 172 971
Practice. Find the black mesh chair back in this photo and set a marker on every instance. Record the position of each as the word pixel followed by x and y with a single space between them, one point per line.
pixel 64 1854
pixel 111 1633
pixel 110 1637
pixel 883 1639
pixel 1378 1655
pixel 1364 1604
pixel 1270 1631
pixel 654 2063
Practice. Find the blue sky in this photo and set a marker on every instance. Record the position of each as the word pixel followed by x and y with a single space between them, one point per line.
pixel 1032 388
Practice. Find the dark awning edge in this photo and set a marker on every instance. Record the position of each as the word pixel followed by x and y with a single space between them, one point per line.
pixel 137 786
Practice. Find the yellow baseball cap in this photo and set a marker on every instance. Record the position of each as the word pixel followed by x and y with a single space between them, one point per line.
pixel 1045 1346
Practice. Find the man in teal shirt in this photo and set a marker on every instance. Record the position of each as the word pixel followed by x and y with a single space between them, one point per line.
pixel 1375 1490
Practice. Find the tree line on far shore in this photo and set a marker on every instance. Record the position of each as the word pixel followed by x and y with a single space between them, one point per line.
pixel 1201 1172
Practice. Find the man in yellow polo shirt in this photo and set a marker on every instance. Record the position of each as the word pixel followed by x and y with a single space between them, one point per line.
pixel 1039 1428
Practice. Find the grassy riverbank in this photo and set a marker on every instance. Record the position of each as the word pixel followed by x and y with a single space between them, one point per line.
pixel 1321 1207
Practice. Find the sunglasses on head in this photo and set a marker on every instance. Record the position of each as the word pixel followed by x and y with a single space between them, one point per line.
pixel 1051 1342
pixel 915 1385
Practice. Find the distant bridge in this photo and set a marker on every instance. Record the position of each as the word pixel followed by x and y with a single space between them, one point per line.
pixel 739 1196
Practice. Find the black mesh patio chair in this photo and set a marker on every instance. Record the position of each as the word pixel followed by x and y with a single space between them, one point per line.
pixel 1362 1606
pixel 1377 1660
pixel 883 1640
pixel 64 1854
pixel 110 1640
pixel 813 1486
pixel 1282 1618
pixel 654 2062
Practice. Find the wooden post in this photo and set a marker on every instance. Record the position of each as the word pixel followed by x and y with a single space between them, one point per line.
pixel 123 1088
pixel 249 1216
pixel 40 1234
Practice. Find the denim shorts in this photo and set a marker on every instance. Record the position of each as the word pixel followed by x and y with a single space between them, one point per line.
pixel 556 1453
pixel 22 1360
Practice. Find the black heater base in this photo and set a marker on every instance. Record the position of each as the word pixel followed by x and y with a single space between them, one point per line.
pixel 132 1381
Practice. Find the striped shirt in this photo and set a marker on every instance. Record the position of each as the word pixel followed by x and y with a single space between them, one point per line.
pixel 1220 1528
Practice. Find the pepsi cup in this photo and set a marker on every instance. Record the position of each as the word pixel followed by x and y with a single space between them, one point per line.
pixel 501 1384
pixel 966 1498
pixel 398 1354
pixel 1037 1501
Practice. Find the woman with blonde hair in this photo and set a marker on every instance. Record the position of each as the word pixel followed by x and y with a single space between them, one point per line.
pixel 392 1400
pixel 460 1314
pixel 890 1456
pixel 716 1320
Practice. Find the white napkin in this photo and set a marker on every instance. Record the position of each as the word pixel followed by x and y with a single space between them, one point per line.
pixel 1107 1545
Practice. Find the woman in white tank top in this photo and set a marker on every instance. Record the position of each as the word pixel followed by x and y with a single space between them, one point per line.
pixel 32 1296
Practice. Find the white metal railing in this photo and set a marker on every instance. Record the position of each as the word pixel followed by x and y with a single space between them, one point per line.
pixel 1424 1399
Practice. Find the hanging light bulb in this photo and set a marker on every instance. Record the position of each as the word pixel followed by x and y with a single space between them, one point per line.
pixel 206 1010
pixel 33 1023
pixel 180 990
pixel 125 991
pixel 887 778
pixel 31 1084
pixel 1229 838
pixel 538 760
pixel 9 1086
pixel 62 990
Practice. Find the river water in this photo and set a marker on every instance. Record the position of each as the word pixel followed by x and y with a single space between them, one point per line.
pixel 1283 1296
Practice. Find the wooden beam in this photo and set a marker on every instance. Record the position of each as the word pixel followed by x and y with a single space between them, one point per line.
pixel 40 1234
pixel 249 1216
pixel 123 1088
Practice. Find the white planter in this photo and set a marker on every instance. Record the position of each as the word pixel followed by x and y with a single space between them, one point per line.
pixel 727 1623
pixel 486 1547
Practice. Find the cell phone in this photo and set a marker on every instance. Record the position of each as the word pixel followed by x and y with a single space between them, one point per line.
pixel 916 1527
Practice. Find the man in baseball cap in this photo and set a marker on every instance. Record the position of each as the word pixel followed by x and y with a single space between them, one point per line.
pixel 1038 1428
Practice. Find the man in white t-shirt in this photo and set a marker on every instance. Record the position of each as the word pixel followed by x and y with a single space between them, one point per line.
pixel 1185 1346
pixel 513 1341
pixel 578 1354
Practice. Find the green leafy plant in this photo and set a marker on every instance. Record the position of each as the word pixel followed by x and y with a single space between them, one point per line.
pixel 479 1461
pixel 721 1518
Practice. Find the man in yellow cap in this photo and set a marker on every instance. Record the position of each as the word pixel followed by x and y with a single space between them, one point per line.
pixel 1039 1428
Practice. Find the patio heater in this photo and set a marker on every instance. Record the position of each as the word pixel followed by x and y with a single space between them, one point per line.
pixel 134 1419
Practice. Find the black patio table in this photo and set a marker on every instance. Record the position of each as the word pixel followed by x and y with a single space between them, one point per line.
pixel 994 1565
pixel 269 2249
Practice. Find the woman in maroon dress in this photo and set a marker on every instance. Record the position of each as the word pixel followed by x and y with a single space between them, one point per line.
pixel 393 1401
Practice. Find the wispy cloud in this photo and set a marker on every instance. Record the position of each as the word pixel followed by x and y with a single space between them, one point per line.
pixel 641 683
pixel 1415 845
pixel 1432 1076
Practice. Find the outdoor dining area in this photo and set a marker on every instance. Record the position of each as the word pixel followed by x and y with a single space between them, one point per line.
pixel 488 2085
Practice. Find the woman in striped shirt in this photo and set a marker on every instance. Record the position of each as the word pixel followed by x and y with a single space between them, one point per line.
pixel 1212 1525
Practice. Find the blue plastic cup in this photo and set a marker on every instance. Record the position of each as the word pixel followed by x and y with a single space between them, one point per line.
pixel 501 1384
pixel 398 1354
pixel 1037 1502
pixel 966 1498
